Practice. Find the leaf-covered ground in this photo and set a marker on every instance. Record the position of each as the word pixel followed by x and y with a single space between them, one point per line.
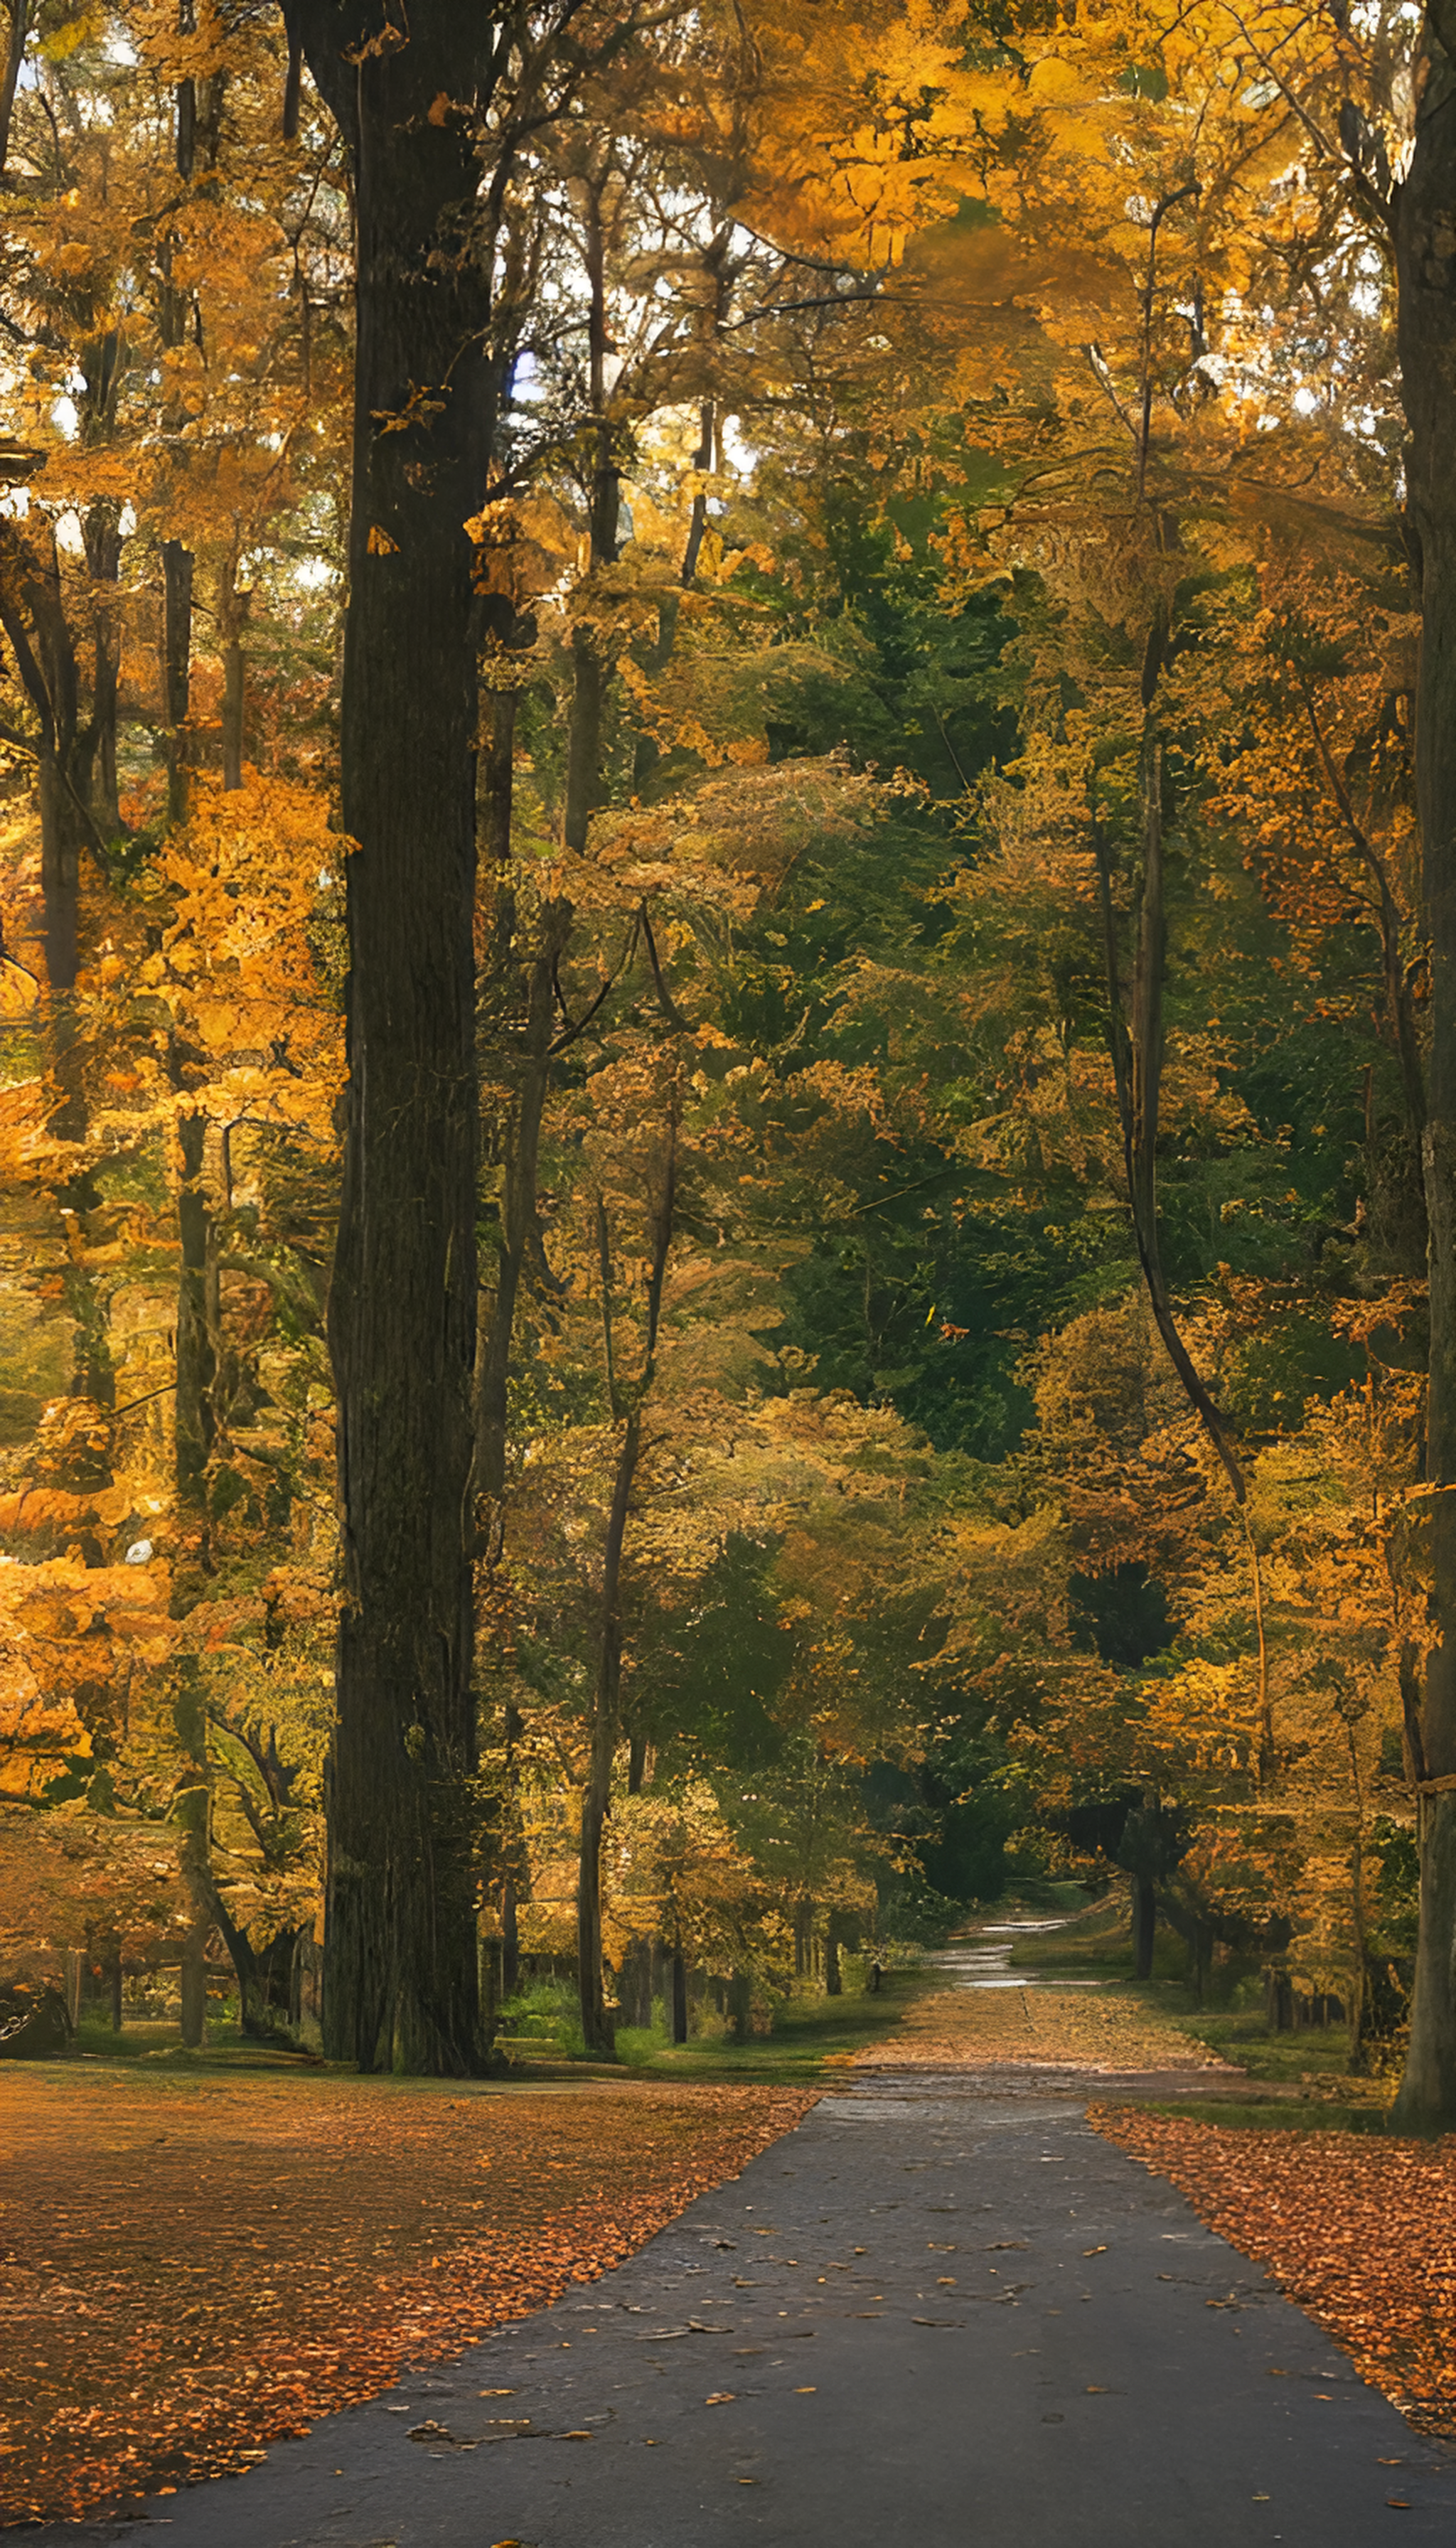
pixel 1088 2030
pixel 1360 2232
pixel 196 2267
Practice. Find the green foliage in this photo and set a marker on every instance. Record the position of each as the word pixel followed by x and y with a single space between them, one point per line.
pixel 544 2012
pixel 1398 1885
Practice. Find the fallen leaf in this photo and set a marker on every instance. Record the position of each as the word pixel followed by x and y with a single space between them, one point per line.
pixel 1379 2286
pixel 720 2398
pixel 344 2298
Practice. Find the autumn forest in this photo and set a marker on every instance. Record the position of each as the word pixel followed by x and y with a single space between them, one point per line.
pixel 728 1009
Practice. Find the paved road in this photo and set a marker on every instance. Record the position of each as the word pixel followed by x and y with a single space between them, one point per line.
pixel 933 2318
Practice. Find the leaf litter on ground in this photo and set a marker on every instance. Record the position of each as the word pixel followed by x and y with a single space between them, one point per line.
pixel 1360 2232
pixel 194 2268
pixel 1068 2027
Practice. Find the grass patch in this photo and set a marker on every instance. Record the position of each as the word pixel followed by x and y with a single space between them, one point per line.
pixel 1095 1947
pixel 808 2033
pixel 1307 2053
pixel 226 2047
pixel 1268 2114
pixel 1099 1947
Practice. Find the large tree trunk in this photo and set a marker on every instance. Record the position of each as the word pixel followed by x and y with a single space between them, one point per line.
pixel 1425 269
pixel 401 1981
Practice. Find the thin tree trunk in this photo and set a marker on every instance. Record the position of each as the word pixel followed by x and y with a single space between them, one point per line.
pixel 605 1718
pixel 1360 1984
pixel 606 1724
pixel 591 671
pixel 192 1816
pixel 232 619
pixel 1137 1045
pixel 60 876
pixel 680 1997
pixel 1144 1926
pixel 177 672
pixel 1268 1750
pixel 196 1362
pixel 530 1069
pixel 34 616
pixel 509 1942
pixel 1427 283
pixel 103 558
pixel 21 13
pixel 499 777
pixel 192 1449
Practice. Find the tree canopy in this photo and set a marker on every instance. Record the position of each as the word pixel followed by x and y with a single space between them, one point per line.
pixel 726 996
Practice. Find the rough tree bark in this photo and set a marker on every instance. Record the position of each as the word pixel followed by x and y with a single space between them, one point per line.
pixel 1426 272
pixel 401 1978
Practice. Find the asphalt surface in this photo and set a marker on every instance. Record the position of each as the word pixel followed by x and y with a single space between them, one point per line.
pixel 940 2315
